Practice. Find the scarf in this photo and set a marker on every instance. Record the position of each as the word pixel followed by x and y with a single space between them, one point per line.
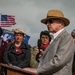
pixel 44 46
pixel 18 50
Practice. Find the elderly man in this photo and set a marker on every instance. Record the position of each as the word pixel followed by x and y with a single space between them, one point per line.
pixel 58 56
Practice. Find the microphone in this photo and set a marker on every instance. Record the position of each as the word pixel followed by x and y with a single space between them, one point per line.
pixel 39 42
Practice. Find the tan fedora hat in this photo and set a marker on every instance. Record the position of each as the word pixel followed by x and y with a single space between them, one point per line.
pixel 56 14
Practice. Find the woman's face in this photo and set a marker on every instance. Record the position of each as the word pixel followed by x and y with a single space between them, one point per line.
pixel 45 39
pixel 19 37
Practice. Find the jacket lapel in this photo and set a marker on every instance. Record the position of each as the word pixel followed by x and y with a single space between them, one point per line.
pixel 13 50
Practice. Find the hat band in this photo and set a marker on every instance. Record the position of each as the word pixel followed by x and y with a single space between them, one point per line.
pixel 50 16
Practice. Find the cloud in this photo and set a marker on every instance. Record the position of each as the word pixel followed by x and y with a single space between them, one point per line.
pixel 28 14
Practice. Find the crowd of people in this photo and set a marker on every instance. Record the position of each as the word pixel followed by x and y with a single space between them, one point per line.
pixel 53 55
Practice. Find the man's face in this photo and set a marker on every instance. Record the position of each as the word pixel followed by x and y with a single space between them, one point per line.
pixel 45 39
pixel 54 25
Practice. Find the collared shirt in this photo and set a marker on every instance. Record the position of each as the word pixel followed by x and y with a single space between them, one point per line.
pixel 56 34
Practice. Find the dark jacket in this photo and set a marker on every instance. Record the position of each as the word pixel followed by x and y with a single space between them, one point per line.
pixel 73 66
pixel 2 48
pixel 21 59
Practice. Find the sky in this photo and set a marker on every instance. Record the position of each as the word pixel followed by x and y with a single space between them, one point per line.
pixel 29 13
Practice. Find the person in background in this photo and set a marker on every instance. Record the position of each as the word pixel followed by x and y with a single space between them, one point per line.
pixel 17 53
pixel 43 42
pixel 9 41
pixel 2 47
pixel 73 66
pixel 58 56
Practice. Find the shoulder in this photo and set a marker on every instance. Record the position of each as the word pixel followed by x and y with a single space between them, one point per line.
pixel 66 39
pixel 24 45
pixel 65 35
pixel 33 48
pixel 11 45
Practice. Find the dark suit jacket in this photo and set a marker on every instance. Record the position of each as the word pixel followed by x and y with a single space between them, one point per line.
pixel 2 48
pixel 58 56
pixel 21 60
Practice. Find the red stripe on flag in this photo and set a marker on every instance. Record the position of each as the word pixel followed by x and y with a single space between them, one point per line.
pixel 6 26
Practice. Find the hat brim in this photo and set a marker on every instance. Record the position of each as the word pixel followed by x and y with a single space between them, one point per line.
pixel 18 32
pixel 65 20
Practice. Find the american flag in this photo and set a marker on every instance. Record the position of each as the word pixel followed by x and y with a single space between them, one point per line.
pixel 7 21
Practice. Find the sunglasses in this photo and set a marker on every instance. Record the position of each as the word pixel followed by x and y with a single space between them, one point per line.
pixel 52 20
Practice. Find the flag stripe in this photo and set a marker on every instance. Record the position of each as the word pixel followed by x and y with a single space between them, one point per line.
pixel 5 26
pixel 11 23
pixel 8 24
pixel 10 18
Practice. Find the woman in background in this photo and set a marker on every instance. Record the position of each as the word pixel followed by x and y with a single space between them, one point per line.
pixel 17 53
pixel 42 44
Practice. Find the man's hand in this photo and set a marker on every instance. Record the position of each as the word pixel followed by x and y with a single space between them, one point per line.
pixel 32 70
pixel 37 51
